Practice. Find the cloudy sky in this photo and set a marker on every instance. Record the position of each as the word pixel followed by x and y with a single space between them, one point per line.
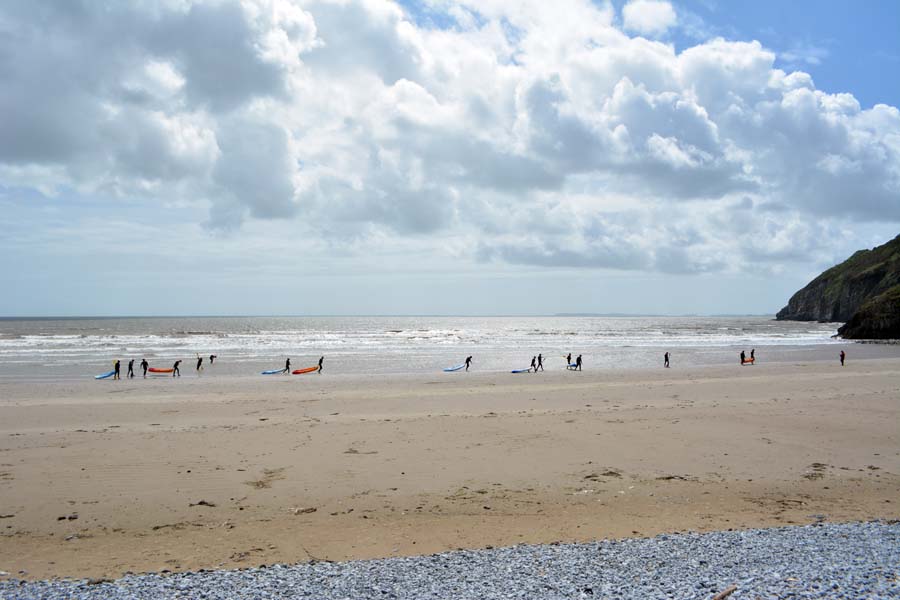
pixel 440 156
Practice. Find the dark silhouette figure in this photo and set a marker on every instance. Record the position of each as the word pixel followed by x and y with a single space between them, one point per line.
pixel 666 360
pixel 175 371
pixel 533 365
pixel 540 364
pixel 578 363
pixel 743 357
pixel 212 358
pixel 321 358
pixel 468 362
pixel 116 367
pixel 843 356
pixel 287 365
pixel 199 364
pixel 131 368
pixel 753 354
pixel 145 365
pixel 569 360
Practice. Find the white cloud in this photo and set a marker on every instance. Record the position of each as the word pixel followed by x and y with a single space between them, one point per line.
pixel 648 17
pixel 529 133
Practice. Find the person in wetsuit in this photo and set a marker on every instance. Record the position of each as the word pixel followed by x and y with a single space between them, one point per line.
pixel 131 369
pixel 287 366
pixel 540 364
pixel 666 360
pixel 569 361
pixel 533 365
pixel 145 365
pixel 321 358
pixel 468 362
pixel 843 356
pixel 743 357
pixel 212 358
pixel 175 370
pixel 199 363
pixel 116 369
pixel 578 363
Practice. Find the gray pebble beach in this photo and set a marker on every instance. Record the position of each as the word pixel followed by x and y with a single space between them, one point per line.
pixel 855 560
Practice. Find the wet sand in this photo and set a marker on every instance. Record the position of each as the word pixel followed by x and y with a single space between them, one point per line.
pixel 102 477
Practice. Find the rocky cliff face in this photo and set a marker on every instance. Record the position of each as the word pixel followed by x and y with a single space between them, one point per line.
pixel 838 293
pixel 876 319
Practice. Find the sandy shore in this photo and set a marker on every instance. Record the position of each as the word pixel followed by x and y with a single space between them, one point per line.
pixel 99 478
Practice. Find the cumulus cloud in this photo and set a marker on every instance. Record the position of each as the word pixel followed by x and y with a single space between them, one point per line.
pixel 524 133
pixel 648 17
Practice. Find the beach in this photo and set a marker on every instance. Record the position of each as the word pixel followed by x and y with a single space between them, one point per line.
pixel 102 478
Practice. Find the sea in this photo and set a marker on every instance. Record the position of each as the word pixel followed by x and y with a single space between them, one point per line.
pixel 72 348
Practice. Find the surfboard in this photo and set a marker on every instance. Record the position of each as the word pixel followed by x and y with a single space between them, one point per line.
pixel 528 370
pixel 105 375
pixel 302 371
pixel 272 372
pixel 158 370
pixel 749 361
pixel 456 368
pixel 573 365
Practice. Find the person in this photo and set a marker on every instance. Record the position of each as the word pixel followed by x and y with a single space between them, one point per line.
pixel 578 363
pixel 569 360
pixel 199 363
pixel 752 354
pixel 131 369
pixel 321 358
pixel 116 369
pixel 287 366
pixel 743 357
pixel 145 365
pixel 533 366
pixel 666 360
pixel 212 358
pixel 175 370
pixel 843 356
pixel 540 363
pixel 468 362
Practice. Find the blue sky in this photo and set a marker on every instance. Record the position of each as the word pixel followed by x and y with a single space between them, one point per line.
pixel 446 157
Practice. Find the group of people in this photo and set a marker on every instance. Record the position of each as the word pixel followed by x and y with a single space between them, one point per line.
pixel 752 359
pixel 176 368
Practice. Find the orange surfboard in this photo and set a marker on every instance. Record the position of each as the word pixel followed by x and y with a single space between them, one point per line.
pixel 306 370
pixel 155 370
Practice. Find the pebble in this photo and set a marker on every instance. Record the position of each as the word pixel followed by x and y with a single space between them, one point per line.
pixel 835 561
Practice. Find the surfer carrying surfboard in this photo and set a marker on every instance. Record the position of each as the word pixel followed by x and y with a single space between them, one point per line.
pixel 145 365
pixel 468 362
pixel 116 368
pixel 287 366
pixel 175 370
pixel 578 363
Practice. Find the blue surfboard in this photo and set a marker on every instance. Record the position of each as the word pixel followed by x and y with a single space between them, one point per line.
pixel 272 372
pixel 456 368
pixel 528 370
pixel 105 375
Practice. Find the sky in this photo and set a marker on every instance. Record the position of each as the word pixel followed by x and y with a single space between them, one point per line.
pixel 242 157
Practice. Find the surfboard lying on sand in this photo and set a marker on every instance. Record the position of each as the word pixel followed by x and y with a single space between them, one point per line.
pixel 302 371
pixel 272 372
pixel 158 370
pixel 105 375
pixel 528 370
pixel 456 368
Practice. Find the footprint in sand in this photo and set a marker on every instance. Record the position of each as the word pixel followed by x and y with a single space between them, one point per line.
pixel 269 476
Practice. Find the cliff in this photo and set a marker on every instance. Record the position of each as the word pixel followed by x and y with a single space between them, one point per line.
pixel 876 319
pixel 838 293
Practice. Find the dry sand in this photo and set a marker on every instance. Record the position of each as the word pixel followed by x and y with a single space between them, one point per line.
pixel 102 477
